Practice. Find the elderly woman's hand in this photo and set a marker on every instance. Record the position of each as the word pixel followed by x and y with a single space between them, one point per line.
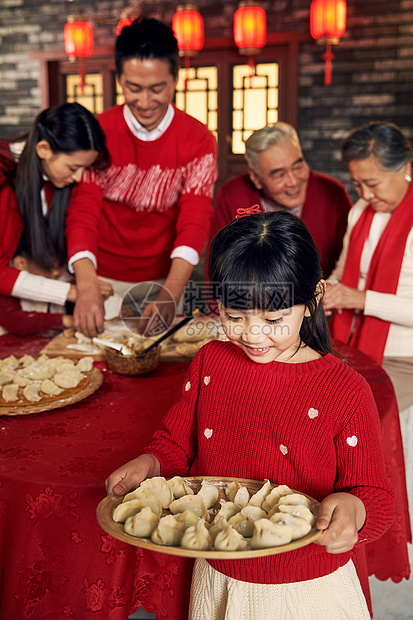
pixel 339 297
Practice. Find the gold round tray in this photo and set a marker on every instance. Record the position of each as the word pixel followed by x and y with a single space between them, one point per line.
pixel 108 504
pixel 86 387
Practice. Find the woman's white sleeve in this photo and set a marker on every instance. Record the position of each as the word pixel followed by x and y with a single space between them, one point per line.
pixel 38 288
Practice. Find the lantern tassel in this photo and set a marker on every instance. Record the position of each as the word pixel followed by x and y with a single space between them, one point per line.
pixel 328 57
pixel 81 72
pixel 187 65
pixel 251 64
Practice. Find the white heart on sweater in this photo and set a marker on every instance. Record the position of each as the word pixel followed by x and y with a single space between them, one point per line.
pixel 283 449
pixel 312 413
pixel 208 432
pixel 352 441
pixel 207 380
pixel 188 386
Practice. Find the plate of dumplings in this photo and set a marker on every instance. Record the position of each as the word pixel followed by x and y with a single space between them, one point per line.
pixel 31 385
pixel 209 517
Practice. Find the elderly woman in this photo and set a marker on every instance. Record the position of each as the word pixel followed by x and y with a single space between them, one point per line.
pixel 371 288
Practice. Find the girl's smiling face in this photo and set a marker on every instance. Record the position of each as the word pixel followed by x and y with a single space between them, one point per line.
pixel 265 336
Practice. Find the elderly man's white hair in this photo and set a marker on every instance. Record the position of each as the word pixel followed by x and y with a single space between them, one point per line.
pixel 269 135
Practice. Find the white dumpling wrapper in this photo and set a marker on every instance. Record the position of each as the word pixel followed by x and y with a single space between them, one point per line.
pixel 242 524
pixel 299 526
pixel 179 487
pixel 68 380
pixel 142 523
pixel 10 392
pixel 195 503
pixel 258 497
pixel 273 498
pixel 188 518
pixel 169 531
pixel 146 498
pixel 85 364
pixel 299 511
pixel 127 509
pixel 295 499
pixel 49 387
pixel 229 539
pixel 160 488
pixel 197 537
pixel 227 510
pixel 268 534
pixel 31 393
pixel 209 493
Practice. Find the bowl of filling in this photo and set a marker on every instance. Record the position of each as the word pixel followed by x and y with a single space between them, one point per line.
pixel 132 362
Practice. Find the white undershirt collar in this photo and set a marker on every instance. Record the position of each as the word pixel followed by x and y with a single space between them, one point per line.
pixel 140 132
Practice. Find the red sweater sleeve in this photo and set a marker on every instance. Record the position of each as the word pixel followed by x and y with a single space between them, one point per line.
pixel 11 228
pixel 21 323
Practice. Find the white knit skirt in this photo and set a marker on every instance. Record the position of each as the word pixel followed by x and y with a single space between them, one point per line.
pixel 215 596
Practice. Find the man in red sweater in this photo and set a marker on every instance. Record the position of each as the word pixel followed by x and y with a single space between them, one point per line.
pixel 279 179
pixel 146 218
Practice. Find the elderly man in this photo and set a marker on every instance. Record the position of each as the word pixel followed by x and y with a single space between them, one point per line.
pixel 279 179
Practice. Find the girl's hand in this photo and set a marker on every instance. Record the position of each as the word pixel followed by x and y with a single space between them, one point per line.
pixel 131 475
pixel 340 296
pixel 341 517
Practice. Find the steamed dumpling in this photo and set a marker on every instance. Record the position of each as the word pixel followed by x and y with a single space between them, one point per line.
pixel 31 393
pixel 300 527
pixel 188 518
pixel 242 524
pixel 37 372
pixel 179 487
pixel 85 364
pixel 258 497
pixel 127 509
pixel 141 524
pixel 273 498
pixel 209 494
pixel 268 534
pixel 229 539
pixel 169 531
pixel 299 511
pixel 160 488
pixel 195 503
pixel 227 510
pixel 10 392
pixel 197 537
pixel 50 388
pixel 217 526
pixel 295 499
pixel 146 498
pixel 68 379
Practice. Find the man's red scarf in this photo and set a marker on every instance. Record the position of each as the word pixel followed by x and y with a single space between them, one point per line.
pixel 370 333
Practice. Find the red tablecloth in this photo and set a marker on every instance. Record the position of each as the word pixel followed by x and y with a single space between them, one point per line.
pixel 55 560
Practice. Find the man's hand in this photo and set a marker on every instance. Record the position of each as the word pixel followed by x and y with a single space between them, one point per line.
pixel 89 312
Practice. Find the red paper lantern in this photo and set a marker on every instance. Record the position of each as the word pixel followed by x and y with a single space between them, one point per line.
pixel 188 26
pixel 78 37
pixel 327 26
pixel 250 27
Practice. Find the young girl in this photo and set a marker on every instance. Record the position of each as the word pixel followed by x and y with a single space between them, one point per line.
pixel 274 403
pixel 37 172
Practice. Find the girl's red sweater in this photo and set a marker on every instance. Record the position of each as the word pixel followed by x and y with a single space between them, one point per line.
pixel 312 426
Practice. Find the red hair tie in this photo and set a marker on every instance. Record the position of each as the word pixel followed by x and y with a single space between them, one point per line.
pixel 249 211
